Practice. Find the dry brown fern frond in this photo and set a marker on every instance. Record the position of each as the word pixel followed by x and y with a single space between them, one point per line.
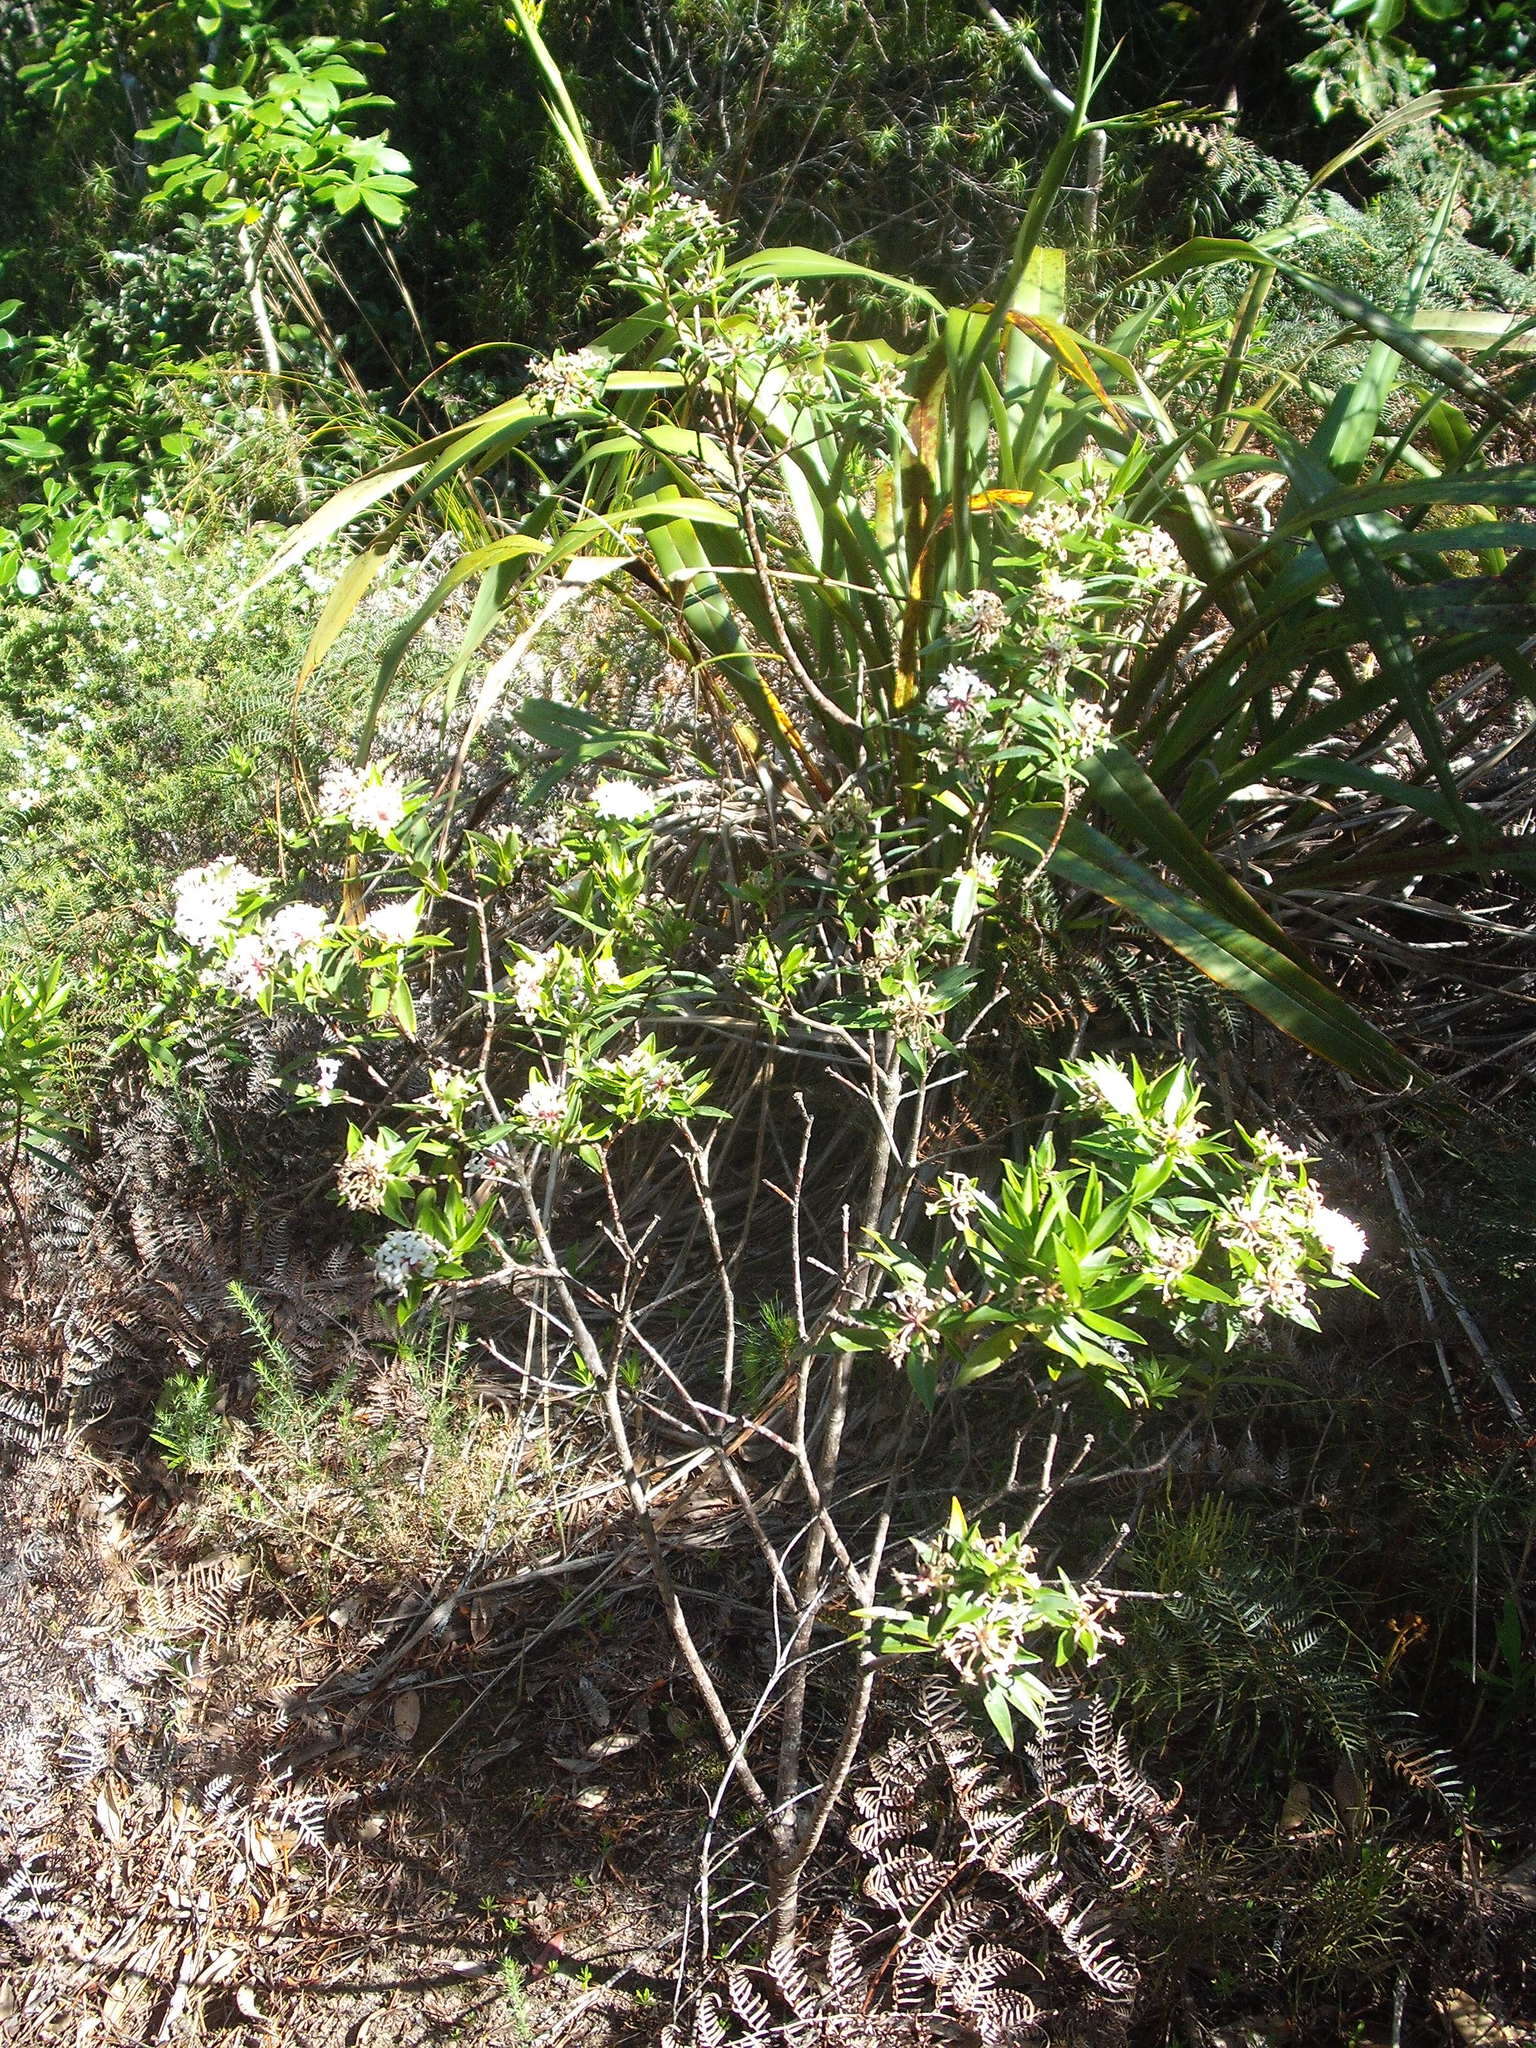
pixel 991 1900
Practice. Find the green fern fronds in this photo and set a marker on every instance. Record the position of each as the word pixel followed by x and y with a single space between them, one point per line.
pixel 1238 1650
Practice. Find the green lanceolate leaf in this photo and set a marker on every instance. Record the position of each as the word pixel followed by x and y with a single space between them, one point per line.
pixel 347 594
pixel 1271 983
pixel 558 103
pixel 1374 599
pixel 791 265
pixel 1513 486
pixel 1124 790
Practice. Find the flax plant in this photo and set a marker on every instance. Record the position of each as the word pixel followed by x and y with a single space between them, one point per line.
pixel 865 558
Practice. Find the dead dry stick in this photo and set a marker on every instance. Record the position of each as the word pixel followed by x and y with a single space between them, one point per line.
pixel 709 1860
pixel 797 1262
pixel 788 1861
pixel 697 1161
pixel 607 1377
pixel 1421 1283
pixel 786 1878
pixel 725 1462
pixel 1426 1268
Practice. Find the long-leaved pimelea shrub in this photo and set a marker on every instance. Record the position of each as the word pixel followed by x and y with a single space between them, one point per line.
pixel 944 612
pixel 487 1082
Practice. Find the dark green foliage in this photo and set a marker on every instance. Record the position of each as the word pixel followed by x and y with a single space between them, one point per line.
pixel 1375 1568
pixel 1239 1654
pixel 899 135
pixel 1059 967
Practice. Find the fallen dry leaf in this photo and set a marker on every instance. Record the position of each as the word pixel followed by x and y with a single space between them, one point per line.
pixel 597 1709
pixel 109 1813
pixel 1475 2025
pixel 1297 1810
pixel 613 1744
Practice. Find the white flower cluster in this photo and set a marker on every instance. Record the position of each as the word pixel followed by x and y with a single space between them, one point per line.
pixel 959 1197
pixel 394 923
pixel 885 387
pixel 1007 1605
pixel 730 348
pixel 404 1256
pixel 915 1011
pixel 916 1308
pixel 208 900
pixel 450 1090
pixel 625 802
pixel 980 617
pixel 655 1077
pixel 627 222
pixel 676 226
pixel 1050 523
pixel 790 327
pixel 1256 1222
pixel 371 799
pixel 990 1650
pixel 1084 729
pixel 776 327
pixel 250 965
pixel 363 1177
pixel 1173 1125
pixel 571 381
pixel 531 977
pixel 1169 1255
pixel 1341 1238
pixel 936 1577
pixel 1271 1151
pixel 1054 654
pixel 545 1104
pixel 1277 1288
pixel 959 695
pixel 911 935
pixel 1276 1227
pixel 692 218
pixel 207 914
pixel 297 931
pixel 553 982
pixel 701 278
pixel 1151 553
pixel 1059 597
pixel 327 1074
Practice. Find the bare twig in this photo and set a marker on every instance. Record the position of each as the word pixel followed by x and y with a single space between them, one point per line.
pixel 605 1372
pixel 1426 1268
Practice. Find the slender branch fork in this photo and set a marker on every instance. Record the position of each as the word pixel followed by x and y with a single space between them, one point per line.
pixel 815 1567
